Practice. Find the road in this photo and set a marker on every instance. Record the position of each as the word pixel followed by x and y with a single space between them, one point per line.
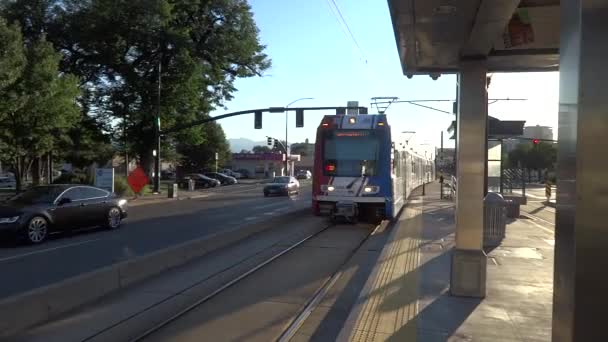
pixel 149 228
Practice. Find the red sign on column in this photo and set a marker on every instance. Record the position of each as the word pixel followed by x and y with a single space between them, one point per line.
pixel 137 179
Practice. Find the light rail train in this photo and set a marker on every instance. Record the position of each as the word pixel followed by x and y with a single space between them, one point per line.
pixel 360 170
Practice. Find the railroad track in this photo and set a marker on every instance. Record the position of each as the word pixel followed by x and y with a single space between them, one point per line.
pixel 298 319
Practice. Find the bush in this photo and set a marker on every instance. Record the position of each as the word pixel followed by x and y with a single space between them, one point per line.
pixel 121 187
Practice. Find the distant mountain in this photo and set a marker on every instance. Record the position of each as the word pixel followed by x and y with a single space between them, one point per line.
pixel 236 145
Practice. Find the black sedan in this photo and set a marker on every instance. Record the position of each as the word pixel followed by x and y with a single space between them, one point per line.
pixel 41 210
pixel 224 179
pixel 200 181
pixel 283 185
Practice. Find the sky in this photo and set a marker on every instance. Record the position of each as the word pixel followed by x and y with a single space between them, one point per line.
pixel 314 56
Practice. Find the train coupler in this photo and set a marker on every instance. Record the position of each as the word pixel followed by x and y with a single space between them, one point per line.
pixel 347 210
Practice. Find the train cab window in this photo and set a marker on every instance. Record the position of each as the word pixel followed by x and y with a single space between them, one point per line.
pixel 353 154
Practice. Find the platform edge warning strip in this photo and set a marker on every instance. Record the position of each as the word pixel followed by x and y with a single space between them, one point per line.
pixel 388 304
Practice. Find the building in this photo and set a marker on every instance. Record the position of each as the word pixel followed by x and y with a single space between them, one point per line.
pixel 538 132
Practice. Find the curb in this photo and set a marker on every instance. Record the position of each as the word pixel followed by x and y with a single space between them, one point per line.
pixel 46 303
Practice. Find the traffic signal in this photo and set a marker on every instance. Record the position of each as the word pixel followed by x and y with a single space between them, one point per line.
pixel 535 141
pixel 258 120
pixel 276 142
pixel 299 117
pixel 269 141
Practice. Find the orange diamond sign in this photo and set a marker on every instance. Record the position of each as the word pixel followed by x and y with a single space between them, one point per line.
pixel 137 179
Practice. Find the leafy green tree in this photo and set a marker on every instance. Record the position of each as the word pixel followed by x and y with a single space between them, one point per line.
pixel 202 156
pixel 261 149
pixel 198 48
pixel 87 141
pixel 542 156
pixel 37 102
pixel 300 148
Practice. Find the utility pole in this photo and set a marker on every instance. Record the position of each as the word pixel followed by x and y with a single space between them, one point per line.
pixel 157 134
pixel 126 145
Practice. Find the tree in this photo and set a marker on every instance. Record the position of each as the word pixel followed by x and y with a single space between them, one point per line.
pixel 197 49
pixel 261 149
pixel 88 140
pixel 202 156
pixel 38 103
pixel 542 156
pixel 300 148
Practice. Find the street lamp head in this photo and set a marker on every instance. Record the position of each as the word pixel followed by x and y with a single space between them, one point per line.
pixel 300 99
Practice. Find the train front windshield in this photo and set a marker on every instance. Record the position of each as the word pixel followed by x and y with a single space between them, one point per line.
pixel 350 153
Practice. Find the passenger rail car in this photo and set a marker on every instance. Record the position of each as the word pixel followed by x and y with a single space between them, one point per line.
pixel 357 162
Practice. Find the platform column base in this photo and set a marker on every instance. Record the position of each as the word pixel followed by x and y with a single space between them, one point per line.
pixel 468 273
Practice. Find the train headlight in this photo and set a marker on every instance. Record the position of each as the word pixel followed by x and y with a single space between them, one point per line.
pixel 371 189
pixel 327 188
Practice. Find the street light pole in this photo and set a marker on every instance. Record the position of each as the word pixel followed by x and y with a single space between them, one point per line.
pixel 286 126
pixel 157 134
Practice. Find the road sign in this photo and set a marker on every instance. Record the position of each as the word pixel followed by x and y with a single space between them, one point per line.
pixel 137 179
pixel 104 179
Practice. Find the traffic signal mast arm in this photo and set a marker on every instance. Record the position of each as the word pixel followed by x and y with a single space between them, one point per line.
pixel 178 128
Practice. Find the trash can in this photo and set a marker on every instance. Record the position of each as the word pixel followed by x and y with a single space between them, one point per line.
pixel 172 191
pixel 494 219
pixel 512 209
pixel 191 184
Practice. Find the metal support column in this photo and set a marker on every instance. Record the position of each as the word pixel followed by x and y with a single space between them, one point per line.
pixel 468 274
pixel 580 295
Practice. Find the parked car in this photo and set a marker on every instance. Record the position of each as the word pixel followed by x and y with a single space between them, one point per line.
pixel 33 214
pixel 304 174
pixel 231 173
pixel 7 183
pixel 224 179
pixel 283 185
pixel 244 173
pixel 200 181
pixel 165 175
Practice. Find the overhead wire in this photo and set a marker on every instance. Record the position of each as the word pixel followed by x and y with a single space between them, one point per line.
pixel 350 32
pixel 343 23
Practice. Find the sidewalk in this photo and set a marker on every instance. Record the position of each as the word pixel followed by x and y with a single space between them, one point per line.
pixel 407 296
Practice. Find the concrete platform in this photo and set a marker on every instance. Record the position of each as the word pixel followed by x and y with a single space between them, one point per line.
pixel 406 298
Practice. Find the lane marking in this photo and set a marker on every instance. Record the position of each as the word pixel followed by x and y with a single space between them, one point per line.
pixel 267 205
pixel 251 218
pixel 534 218
pixel 18 256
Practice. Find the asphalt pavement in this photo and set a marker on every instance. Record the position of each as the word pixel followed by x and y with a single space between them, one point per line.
pixel 149 228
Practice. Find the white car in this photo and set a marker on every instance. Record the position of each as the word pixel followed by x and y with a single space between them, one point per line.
pixel 304 174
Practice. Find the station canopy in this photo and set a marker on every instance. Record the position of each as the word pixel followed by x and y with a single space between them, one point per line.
pixel 433 36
